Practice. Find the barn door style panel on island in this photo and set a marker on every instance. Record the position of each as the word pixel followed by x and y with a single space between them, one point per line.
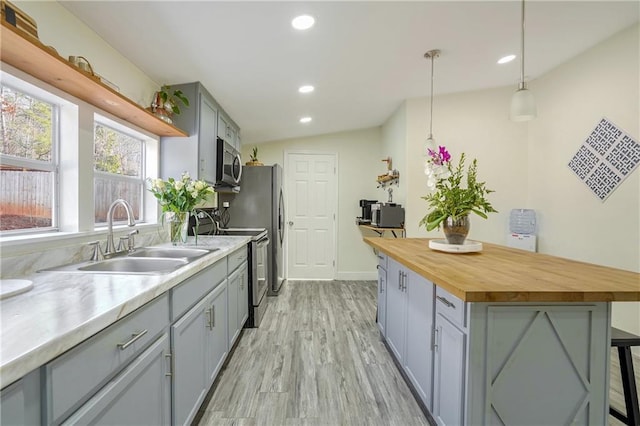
pixel 507 354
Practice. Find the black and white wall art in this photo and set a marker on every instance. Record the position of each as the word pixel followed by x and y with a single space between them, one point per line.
pixel 606 158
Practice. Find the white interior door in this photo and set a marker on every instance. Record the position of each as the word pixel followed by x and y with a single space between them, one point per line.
pixel 311 215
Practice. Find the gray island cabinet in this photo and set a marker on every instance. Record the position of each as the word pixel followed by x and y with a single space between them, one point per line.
pixel 153 366
pixel 501 337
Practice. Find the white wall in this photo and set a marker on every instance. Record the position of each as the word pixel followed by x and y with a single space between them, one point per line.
pixel 475 123
pixel 359 154
pixel 574 223
pixel 394 145
pixel 526 163
pixel 57 27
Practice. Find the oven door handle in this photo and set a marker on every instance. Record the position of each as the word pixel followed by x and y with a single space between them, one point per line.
pixel 263 242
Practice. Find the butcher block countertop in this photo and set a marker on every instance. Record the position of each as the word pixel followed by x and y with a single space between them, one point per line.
pixel 503 274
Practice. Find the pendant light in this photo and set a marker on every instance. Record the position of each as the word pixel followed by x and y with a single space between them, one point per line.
pixel 523 105
pixel 432 54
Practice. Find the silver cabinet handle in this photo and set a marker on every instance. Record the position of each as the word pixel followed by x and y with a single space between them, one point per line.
pixel 380 257
pixel 400 280
pixel 446 302
pixel 134 337
pixel 435 340
pixel 168 357
pixel 208 314
pixel 213 316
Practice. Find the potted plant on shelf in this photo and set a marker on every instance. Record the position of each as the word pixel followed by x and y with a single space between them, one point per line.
pixel 254 158
pixel 166 102
pixel 178 198
pixel 450 202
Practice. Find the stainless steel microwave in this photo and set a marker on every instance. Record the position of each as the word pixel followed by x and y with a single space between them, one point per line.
pixel 228 164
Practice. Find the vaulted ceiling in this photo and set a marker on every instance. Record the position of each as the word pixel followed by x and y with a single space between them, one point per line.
pixel 363 58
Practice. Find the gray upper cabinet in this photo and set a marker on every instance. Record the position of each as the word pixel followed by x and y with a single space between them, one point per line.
pixel 195 154
pixel 139 395
pixel 228 130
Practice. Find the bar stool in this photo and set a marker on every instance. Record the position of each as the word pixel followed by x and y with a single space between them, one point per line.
pixel 623 341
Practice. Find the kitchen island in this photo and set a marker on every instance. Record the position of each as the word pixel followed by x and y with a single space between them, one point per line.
pixel 501 336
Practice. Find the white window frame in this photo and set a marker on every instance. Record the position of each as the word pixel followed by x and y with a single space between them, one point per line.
pixel 41 95
pixel 120 128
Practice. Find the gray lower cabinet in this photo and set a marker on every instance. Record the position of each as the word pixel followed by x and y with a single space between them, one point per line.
pixel 418 353
pixel 238 302
pixel 139 395
pixel 449 373
pixel 382 293
pixel 243 295
pixel 199 342
pixel 396 317
pixel 20 401
pixel 409 325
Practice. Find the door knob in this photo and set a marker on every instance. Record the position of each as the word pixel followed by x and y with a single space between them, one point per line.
pixel 290 223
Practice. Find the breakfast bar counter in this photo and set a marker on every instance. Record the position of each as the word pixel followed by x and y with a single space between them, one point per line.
pixel 500 336
pixel 502 274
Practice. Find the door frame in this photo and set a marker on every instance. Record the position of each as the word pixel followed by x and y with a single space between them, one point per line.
pixel 285 176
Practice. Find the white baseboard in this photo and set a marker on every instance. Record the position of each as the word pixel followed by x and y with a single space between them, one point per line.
pixel 357 276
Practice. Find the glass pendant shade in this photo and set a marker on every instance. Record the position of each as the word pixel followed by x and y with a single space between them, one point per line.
pixel 523 106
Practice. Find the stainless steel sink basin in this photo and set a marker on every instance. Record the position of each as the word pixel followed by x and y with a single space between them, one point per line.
pixel 143 261
pixel 170 252
pixel 128 265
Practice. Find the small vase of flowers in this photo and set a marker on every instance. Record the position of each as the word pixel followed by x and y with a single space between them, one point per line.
pixel 178 198
pixel 451 202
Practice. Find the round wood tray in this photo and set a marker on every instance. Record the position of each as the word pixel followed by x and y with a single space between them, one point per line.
pixel 469 246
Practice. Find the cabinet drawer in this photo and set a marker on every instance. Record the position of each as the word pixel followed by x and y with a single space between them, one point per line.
pixel 382 260
pixel 187 294
pixel 450 306
pixel 74 376
pixel 236 258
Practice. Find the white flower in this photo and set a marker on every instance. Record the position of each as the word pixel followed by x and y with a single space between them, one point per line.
pixel 178 185
pixel 158 184
pixel 186 176
pixel 200 185
pixel 194 194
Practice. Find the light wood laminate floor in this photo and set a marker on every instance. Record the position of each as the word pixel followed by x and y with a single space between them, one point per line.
pixel 317 359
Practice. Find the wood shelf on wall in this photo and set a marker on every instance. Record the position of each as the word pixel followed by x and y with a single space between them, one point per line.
pixel 28 54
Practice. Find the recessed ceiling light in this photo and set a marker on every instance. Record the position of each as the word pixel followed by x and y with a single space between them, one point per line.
pixel 306 89
pixel 305 120
pixel 303 22
pixel 506 59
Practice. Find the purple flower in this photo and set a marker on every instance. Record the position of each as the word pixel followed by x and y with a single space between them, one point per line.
pixel 444 154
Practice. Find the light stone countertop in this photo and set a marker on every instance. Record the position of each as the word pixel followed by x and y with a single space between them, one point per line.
pixel 64 309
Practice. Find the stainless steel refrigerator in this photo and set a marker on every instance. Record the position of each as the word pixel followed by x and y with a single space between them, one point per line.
pixel 260 204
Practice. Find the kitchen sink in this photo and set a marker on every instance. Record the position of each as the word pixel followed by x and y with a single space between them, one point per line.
pixel 143 261
pixel 170 252
pixel 130 265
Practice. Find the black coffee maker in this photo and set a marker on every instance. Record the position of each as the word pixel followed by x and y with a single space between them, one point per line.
pixel 366 211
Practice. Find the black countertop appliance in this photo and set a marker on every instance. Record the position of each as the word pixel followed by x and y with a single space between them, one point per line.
pixel 366 211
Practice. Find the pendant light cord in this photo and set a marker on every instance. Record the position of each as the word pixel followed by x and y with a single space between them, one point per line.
pixel 522 86
pixel 431 107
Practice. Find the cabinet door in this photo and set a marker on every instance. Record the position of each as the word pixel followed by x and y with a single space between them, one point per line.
pixel 382 298
pixel 395 311
pixel 222 126
pixel 232 314
pixel 207 140
pixel 140 395
pixel 243 296
pixel 449 373
pixel 189 342
pixel 217 342
pixel 418 362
